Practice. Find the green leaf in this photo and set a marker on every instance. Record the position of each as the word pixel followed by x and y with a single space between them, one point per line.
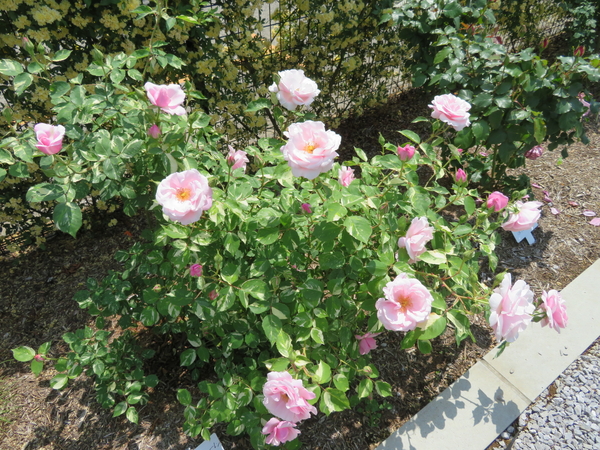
pixel 411 135
pixel 36 367
pixel 323 373
pixel 98 367
pixel 19 170
pixel 365 387
pixel 359 228
pixel 256 288
pixel 22 82
pixel 434 257
pixel 384 389
pixel 132 415
pixel 59 381
pixel 341 382
pixel 120 409
pixel 434 330
pixel 61 55
pixel 10 68
pixel 187 357
pixel 424 347
pixel 43 349
pixel 317 336
pixel 469 205
pixel 539 129
pixel 149 316
pixel 23 354
pixel 59 88
pixel 257 105
pixel 44 192
pixel 336 399
pixel 6 157
pixel 271 326
pixel 184 397
pixel 284 344
pixel 442 55
pixel 67 217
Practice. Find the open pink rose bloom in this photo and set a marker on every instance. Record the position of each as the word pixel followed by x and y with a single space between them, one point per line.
pixel 346 176
pixel 279 432
pixel 556 311
pixel 511 309
pixel 417 236
pixel 237 159
pixel 184 195
pixel 452 110
pixel 366 342
pixel 49 138
pixel 294 89
pixel 167 97
pixel 310 148
pixel 286 398
pixel 497 200
pixel 407 302
pixel 524 217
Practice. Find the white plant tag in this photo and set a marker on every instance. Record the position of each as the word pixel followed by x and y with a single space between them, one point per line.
pixel 520 235
pixel 212 444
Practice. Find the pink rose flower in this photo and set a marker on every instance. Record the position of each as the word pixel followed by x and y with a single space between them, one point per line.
pixel 237 159
pixel 452 110
pixel 461 176
pixel 167 97
pixel 405 153
pixel 556 311
pixel 579 51
pixel 497 200
pixel 294 89
pixel 49 138
pixel 524 216
pixel 511 309
pixel 407 302
pixel 418 234
pixel 154 131
pixel 196 270
pixel 366 342
pixel 278 431
pixel 535 152
pixel 306 208
pixel 286 398
pixel 184 195
pixel 310 148
pixel 346 176
pixel 213 295
pixel 586 104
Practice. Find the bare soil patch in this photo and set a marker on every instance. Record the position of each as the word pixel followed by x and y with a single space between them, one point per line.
pixel 37 287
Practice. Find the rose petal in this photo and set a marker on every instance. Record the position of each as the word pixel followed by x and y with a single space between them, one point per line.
pixel 573 203
pixel 554 211
pixel 588 213
pixel 595 222
pixel 535 185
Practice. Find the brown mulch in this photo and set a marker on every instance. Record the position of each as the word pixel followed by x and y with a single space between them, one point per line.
pixel 36 306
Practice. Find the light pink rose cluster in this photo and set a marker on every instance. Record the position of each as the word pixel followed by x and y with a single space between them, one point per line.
pixel 279 431
pixel 237 159
pixel 524 216
pixel 294 89
pixel 511 309
pixel 184 195
pixel 366 342
pixel 49 138
pixel 556 311
pixel 452 110
pixel 310 148
pixel 417 236
pixel 407 302
pixel 167 97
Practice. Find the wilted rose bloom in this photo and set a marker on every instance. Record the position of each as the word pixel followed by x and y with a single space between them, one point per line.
pixel 581 97
pixel 154 131
pixel 237 158
pixel 418 234
pixel 407 302
pixel 366 342
pixel 39 358
pixel 294 89
pixel 286 398
pixel 534 152
pixel 461 176
pixel 405 153
pixel 167 97
pixel 278 431
pixel 184 195
pixel 511 309
pixel 306 208
pixel 310 148
pixel 49 138
pixel 524 217
pixel 346 176
pixel 196 270
pixel 556 311
pixel 497 200
pixel 452 110
pixel 213 295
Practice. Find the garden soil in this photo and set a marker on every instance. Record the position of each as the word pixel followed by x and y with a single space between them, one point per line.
pixel 36 305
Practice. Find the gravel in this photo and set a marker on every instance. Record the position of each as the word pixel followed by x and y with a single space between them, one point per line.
pixel 566 416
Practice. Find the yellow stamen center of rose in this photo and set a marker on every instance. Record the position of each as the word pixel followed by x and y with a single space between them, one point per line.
pixel 403 302
pixel 284 397
pixel 309 148
pixel 183 194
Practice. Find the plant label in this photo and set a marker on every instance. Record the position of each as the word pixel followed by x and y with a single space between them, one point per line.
pixel 520 235
pixel 212 444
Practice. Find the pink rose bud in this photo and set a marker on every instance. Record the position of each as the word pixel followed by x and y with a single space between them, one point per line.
pixel 346 176
pixel 579 51
pixel 39 358
pixel 511 309
pixel 286 397
pixel 366 342
pixel 237 159
pixel 167 97
pixel 278 431
pixel 586 104
pixel 306 208
pixel 196 270
pixel 459 150
pixel 523 217
pixel 452 110
pixel 49 138
pixel 154 131
pixel 461 176
pixel 294 89
pixel 184 195
pixel 405 153
pixel 213 295
pixel 535 152
pixel 556 311
pixel 545 43
pixel 497 200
